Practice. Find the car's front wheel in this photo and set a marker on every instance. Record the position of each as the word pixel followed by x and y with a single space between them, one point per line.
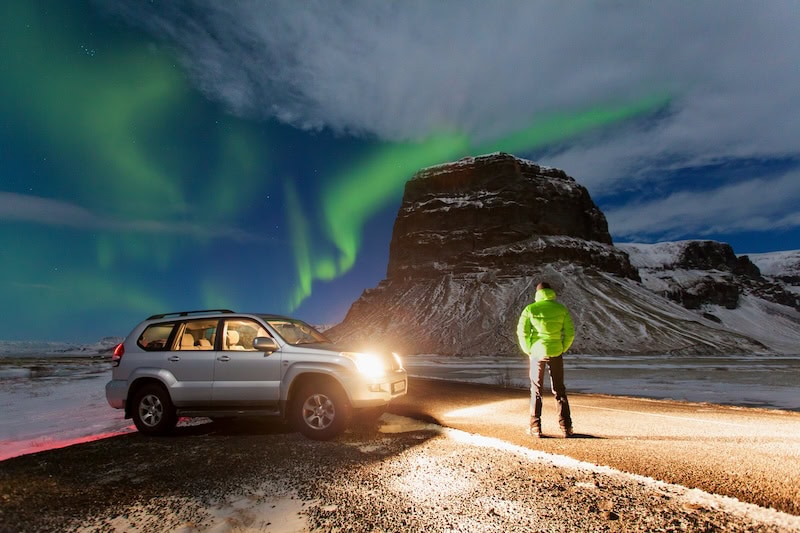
pixel 153 413
pixel 320 411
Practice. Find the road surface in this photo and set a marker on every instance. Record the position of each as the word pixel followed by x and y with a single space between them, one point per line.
pixel 749 454
pixel 484 474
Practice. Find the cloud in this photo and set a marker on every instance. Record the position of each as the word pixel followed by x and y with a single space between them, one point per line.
pixel 49 212
pixel 404 70
pixel 753 205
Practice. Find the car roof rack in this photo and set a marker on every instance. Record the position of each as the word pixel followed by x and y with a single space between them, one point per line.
pixel 187 313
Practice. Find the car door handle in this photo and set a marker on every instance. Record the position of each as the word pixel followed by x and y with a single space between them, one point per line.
pixel 174 358
pixel 224 358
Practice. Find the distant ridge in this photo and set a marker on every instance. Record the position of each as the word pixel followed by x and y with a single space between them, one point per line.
pixel 707 277
pixel 103 346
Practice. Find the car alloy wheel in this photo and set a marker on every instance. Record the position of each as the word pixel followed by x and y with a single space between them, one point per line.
pixel 319 411
pixel 153 412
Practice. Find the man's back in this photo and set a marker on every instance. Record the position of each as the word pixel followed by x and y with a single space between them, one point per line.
pixel 545 328
pixel 548 317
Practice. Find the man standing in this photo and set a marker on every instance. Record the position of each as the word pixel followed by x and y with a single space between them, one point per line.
pixel 545 331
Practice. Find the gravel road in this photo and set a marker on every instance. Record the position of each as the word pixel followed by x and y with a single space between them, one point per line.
pixel 399 475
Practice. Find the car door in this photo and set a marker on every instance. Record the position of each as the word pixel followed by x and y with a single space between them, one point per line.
pixel 244 376
pixel 191 362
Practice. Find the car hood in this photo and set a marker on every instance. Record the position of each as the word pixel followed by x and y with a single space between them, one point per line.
pixel 327 347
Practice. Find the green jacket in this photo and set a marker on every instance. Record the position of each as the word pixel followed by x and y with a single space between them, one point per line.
pixel 545 327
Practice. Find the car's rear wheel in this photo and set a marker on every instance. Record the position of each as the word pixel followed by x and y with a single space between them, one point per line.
pixel 153 412
pixel 320 410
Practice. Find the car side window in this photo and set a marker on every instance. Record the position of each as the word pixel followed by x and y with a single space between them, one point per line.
pixel 197 335
pixel 155 337
pixel 239 335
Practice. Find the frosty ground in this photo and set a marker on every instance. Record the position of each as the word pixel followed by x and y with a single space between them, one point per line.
pixel 401 475
pixel 54 400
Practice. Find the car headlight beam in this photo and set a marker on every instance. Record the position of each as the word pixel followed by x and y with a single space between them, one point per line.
pixel 398 360
pixel 368 364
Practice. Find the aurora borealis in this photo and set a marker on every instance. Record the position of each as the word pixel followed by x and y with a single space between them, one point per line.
pixel 106 198
pixel 134 182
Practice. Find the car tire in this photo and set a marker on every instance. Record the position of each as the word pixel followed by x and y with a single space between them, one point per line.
pixel 320 410
pixel 153 412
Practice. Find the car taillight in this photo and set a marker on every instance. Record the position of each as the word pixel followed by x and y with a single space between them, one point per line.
pixel 119 351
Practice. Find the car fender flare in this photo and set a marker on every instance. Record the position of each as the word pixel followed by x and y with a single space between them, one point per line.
pixel 332 371
pixel 148 374
pixel 166 377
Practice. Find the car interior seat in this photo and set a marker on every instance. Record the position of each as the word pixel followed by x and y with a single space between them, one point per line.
pixel 232 340
pixel 187 342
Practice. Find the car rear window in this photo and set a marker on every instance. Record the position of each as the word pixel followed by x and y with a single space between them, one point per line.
pixel 155 336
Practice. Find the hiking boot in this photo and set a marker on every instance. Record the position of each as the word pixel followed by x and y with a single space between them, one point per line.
pixel 535 432
pixel 567 432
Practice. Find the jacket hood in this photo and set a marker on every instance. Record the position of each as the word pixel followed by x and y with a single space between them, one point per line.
pixel 545 294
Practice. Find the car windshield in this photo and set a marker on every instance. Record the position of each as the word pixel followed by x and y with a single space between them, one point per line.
pixel 296 331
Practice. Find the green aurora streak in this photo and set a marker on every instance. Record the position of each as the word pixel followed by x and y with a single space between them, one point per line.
pixel 114 120
pixel 352 197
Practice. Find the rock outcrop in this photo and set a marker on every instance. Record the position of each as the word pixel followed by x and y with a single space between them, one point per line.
pixel 498 213
pixel 474 237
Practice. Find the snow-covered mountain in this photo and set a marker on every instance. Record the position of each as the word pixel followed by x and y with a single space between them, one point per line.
pixel 707 277
pixel 697 273
pixel 781 266
pixel 473 238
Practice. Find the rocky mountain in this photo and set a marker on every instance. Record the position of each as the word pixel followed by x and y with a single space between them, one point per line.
pixel 473 238
pixel 498 214
pixel 702 273
pixel 780 266
pixel 706 276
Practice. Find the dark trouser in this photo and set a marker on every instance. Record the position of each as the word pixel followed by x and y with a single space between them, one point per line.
pixel 556 365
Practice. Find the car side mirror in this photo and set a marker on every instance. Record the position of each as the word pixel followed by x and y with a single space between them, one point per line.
pixel 265 344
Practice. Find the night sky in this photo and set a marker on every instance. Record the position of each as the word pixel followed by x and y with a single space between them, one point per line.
pixel 165 156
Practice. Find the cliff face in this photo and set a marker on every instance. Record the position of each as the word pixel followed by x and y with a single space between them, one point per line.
pixel 497 213
pixel 473 238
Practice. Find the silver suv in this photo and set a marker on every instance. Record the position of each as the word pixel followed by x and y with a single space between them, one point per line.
pixel 219 364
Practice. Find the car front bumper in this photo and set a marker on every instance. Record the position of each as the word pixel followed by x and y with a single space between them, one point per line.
pixel 379 391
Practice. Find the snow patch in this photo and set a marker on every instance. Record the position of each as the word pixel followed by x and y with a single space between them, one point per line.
pixel 442 168
pixel 657 256
pixel 778 264
pixel 399 424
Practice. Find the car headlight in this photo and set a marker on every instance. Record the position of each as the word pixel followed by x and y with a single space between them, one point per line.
pixel 368 364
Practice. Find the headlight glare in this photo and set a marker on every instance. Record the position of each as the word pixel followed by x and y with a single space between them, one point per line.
pixel 368 364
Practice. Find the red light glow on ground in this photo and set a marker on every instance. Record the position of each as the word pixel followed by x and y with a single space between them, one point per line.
pixel 10 448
